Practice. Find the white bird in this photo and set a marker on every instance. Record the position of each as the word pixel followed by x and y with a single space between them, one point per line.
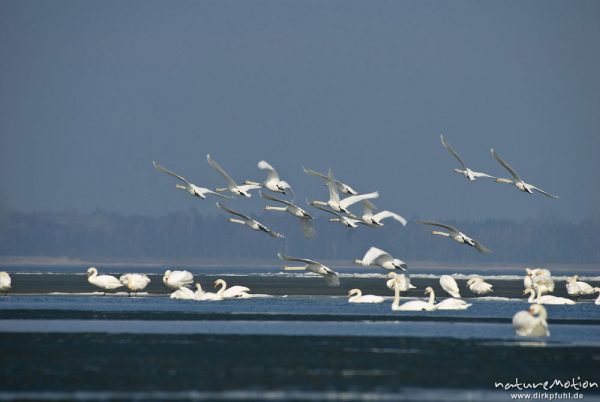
pixel 479 286
pixel 334 198
pixel 402 280
pixel 449 285
pixel 597 302
pixel 342 187
pixel 135 282
pixel 232 292
pixel 517 181
pixel 468 173
pixel 272 183
pixel 578 288
pixel 249 222
pixel 183 294
pixel 532 322
pixel 413 305
pixel 201 295
pixel 191 188
pixel 377 257
pixel 374 220
pixel 450 303
pixel 331 277
pixel 356 296
pixel 5 282
pixel 341 219
pixel 105 282
pixel 178 279
pixel 231 184
pixel 305 219
pixel 545 299
pixel 456 235
pixel 540 277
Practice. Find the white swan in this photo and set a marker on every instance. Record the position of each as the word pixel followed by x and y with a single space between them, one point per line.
pixel 545 299
pixel 356 296
pixel 532 322
pixel 201 295
pixel 456 235
pixel 341 219
pixel 104 282
pixel 233 292
pixel 450 303
pixel 183 294
pixel 231 184
pixel 413 305
pixel 479 286
pixel 468 173
pixel 540 277
pixel 375 220
pixel 178 279
pixel 191 188
pixel 334 198
pixel 342 187
pixel 597 302
pixel 517 181
pixel 305 219
pixel 449 285
pixel 578 288
pixel 331 277
pixel 5 282
pixel 249 222
pixel 380 258
pixel 272 183
pixel 135 282
pixel 402 280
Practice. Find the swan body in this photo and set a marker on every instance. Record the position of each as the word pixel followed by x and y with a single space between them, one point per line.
pixel 272 183
pixel 578 288
pixel 449 285
pixel 546 299
pixel 331 277
pixel 5 281
pixel 135 282
pixel 375 220
pixel 249 222
pixel 191 188
pixel 402 280
pixel 456 235
pixel 413 305
pixel 342 187
pixel 478 286
pixel 532 322
pixel 105 282
pixel 517 181
pixel 178 279
pixel 450 303
pixel 243 190
pixel 334 198
pixel 232 292
pixel 305 219
pixel 183 294
pixel 356 296
pixel 471 175
pixel 341 219
pixel 540 277
pixel 380 258
pixel 201 295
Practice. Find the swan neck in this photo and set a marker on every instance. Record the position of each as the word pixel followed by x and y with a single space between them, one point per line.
pixel 431 297
pixel 223 285
pixel 396 302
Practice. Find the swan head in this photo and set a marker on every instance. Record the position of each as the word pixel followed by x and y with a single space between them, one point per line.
pixel 198 286
pixel 220 282
pixel 92 271
pixel 528 291
pixel 392 275
pixel 573 278
pixel 596 290
pixel 399 264
pixel 428 290
pixel 353 292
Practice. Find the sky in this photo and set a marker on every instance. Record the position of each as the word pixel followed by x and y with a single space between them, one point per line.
pixel 91 92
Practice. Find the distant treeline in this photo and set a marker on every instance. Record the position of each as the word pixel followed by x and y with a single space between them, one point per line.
pixel 192 235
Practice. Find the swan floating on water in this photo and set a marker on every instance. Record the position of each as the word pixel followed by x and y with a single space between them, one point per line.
pixel 540 277
pixel 233 292
pixel 413 305
pixel 272 183
pixel 468 173
pixel 356 296
pixel 479 286
pixel 342 187
pixel 578 288
pixel 545 299
pixel 104 282
pixel 183 293
pixel 597 302
pixel 380 258
pixel 5 282
pixel 449 285
pixel 191 188
pixel 249 222
pixel 450 303
pixel 456 235
pixel 201 295
pixel 375 220
pixel 178 279
pixel 305 219
pixel 331 277
pixel 243 189
pixel 135 282
pixel 517 181
pixel 532 322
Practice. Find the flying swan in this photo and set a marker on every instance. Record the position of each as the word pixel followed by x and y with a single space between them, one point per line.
pixel 191 188
pixel 342 219
pixel 249 222
pixel 305 219
pixel 331 277
pixel 468 173
pixel 375 220
pixel 272 183
pixel 456 235
pixel 377 257
pixel 342 187
pixel 334 198
pixel 231 184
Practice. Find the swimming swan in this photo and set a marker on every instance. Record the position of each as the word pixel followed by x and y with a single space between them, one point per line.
pixel 450 303
pixel 545 299
pixel 356 296
pixel 532 322
pixel 233 292
pixel 177 279
pixel 413 305
pixel 479 286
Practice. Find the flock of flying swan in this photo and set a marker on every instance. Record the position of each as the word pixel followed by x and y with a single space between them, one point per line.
pixel 537 282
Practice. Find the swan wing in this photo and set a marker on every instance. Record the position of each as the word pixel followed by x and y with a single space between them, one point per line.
pixel 208 191
pixel 314 173
pixel 481 248
pixel 332 279
pixel 368 208
pixel 539 190
pixel 346 202
pixel 273 198
pixel 269 231
pixel 481 174
pixel 375 255
pixel 334 196
pixel 449 285
pixel 231 211
pixel 512 171
pixel 388 214
pixel 452 151
pixel 327 210
pixel 304 260
pixel 308 228
pixel 163 169
pixel 213 163
pixel 271 172
pixel 442 225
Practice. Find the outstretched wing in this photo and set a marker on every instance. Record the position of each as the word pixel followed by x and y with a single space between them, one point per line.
pixel 368 208
pixel 512 171
pixel 481 248
pixel 272 198
pixel 288 258
pixel 346 202
pixel 374 254
pixel 389 214
pixel 220 170
pixel 452 151
pixel 326 209
pixel 163 169
pixel 332 279
pixel 539 190
pixel 308 228
pixel 481 174
pixel 334 196
pixel 450 228
pixel 231 211
pixel 270 232
pixel 272 173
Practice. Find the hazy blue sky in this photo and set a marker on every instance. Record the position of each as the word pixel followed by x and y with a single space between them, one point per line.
pixel 92 91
